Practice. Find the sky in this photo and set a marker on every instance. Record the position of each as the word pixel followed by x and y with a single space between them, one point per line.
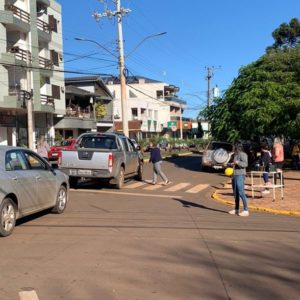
pixel 220 34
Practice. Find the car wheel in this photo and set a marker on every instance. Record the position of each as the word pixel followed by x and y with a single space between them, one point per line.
pixel 139 175
pixel 73 181
pixel 120 178
pixel 7 217
pixel 61 201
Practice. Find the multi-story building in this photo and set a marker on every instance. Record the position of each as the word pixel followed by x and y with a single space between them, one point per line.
pixel 31 69
pixel 151 104
pixel 89 107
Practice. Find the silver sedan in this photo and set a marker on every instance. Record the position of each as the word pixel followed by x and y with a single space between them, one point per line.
pixel 28 184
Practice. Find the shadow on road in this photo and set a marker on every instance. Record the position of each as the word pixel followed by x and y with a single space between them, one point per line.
pixel 189 204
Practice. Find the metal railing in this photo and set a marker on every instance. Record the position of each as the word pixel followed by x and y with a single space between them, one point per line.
pixel 43 26
pixel 45 63
pixel 47 100
pixel 18 12
pixel 20 54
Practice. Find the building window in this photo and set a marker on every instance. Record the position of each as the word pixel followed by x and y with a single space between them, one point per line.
pixel 54 57
pixel 52 23
pixel 150 113
pixel 134 113
pixel 55 91
pixel 159 94
pixel 132 94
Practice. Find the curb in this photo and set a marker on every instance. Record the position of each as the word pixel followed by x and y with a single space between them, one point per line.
pixel 217 197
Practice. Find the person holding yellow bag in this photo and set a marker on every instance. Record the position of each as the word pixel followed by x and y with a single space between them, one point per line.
pixel 240 163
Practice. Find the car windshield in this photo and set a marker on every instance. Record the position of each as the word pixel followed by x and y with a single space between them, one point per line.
pixel 218 145
pixel 98 142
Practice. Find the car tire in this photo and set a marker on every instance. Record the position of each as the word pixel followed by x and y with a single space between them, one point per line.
pixel 7 217
pixel 220 156
pixel 73 181
pixel 120 178
pixel 61 201
pixel 139 175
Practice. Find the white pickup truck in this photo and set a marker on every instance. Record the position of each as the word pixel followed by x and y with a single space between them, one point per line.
pixel 102 155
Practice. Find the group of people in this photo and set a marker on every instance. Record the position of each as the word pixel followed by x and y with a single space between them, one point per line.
pixel 268 159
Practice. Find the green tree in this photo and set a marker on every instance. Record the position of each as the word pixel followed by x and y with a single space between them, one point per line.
pixel 287 35
pixel 100 110
pixel 264 100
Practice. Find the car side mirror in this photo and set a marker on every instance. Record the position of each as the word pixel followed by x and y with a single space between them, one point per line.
pixel 138 148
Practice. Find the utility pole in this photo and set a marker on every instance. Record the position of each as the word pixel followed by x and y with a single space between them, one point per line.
pixel 119 13
pixel 28 96
pixel 208 77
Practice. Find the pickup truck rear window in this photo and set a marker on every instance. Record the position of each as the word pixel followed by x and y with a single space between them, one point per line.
pixel 98 142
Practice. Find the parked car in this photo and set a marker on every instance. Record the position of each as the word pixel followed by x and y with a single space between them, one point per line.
pixel 216 155
pixel 55 151
pixel 102 155
pixel 28 185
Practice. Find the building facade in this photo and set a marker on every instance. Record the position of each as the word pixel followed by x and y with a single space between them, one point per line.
pixel 149 105
pixel 31 69
pixel 89 107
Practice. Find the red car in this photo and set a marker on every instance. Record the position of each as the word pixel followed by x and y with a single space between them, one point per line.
pixel 55 151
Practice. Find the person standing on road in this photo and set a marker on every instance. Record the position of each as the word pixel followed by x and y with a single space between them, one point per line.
pixel 156 160
pixel 43 147
pixel 240 163
pixel 265 162
pixel 278 158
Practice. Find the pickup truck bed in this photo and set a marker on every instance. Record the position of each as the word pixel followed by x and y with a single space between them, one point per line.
pixel 102 155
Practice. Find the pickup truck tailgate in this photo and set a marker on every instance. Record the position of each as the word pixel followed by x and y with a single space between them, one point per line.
pixel 85 159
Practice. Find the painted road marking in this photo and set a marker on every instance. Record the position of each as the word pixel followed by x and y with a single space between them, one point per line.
pixel 177 187
pixel 135 185
pixel 28 295
pixel 197 188
pixel 124 193
pixel 153 187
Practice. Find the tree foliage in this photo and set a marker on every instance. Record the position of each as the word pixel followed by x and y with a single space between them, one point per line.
pixel 264 100
pixel 287 35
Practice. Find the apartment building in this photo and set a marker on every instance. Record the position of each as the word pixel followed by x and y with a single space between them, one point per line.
pixel 151 104
pixel 31 69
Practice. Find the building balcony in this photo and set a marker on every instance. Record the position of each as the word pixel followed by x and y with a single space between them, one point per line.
pixel 44 31
pixel 45 63
pixel 15 18
pixel 18 12
pixel 20 54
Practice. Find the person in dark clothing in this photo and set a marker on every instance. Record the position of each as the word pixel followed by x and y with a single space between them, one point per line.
pixel 265 162
pixel 156 160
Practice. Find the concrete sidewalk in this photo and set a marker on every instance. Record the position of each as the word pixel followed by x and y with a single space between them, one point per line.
pixel 289 205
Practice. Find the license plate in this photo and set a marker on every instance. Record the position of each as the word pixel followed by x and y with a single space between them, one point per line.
pixel 84 172
pixel 73 172
pixel 54 154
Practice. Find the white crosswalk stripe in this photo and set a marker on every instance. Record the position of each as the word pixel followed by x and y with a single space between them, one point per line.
pixel 197 188
pixel 153 187
pixel 135 185
pixel 177 187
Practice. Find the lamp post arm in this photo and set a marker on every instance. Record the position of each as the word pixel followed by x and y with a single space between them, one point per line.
pixel 142 41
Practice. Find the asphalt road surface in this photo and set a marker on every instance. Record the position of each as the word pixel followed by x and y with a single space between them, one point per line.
pixel 148 242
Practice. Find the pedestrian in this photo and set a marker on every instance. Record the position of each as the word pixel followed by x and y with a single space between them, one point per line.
pixel 278 158
pixel 240 163
pixel 295 155
pixel 43 147
pixel 265 162
pixel 156 160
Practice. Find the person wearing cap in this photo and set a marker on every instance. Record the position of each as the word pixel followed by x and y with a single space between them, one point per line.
pixel 240 163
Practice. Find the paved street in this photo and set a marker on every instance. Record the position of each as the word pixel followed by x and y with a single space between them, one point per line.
pixel 152 242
